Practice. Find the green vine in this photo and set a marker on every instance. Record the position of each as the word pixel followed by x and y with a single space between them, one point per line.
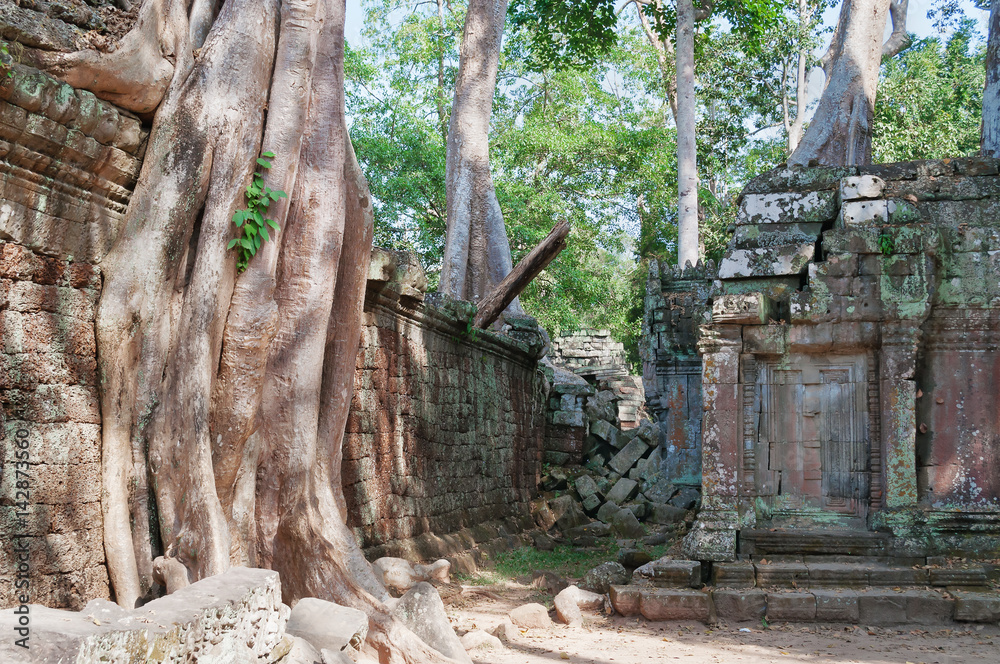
pixel 7 60
pixel 251 220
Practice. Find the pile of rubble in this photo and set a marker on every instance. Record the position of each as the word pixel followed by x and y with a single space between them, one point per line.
pixel 621 483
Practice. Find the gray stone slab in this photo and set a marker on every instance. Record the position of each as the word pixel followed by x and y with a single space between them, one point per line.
pixel 665 514
pixel 928 607
pixel 733 575
pixel 628 456
pixel 740 605
pixel 973 575
pixel 881 575
pixel 972 606
pixel 791 606
pixel 623 491
pixel 585 486
pixel 836 605
pixel 786 259
pixel 626 599
pixel 882 607
pixel 782 575
pixel 327 625
pixel 674 604
pixel 669 572
pixel 625 524
pixel 837 574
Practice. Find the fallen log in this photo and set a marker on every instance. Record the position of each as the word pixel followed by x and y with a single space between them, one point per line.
pixel 493 304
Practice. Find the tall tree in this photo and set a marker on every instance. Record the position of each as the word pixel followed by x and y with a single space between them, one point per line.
pixel 687 150
pixel 477 251
pixel 990 142
pixel 224 395
pixel 840 132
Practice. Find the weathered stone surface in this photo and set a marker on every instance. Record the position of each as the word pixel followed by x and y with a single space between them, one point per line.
pixel 506 631
pixel 626 599
pixel 571 600
pixel 302 652
pixel 791 606
pixel 734 575
pixel 623 491
pixel 882 607
pixel 787 207
pixel 601 578
pixel 674 604
pixel 836 605
pixel 628 456
pixel 624 523
pixel 478 638
pixel 981 607
pixel 242 605
pixel 927 607
pixel 668 572
pixel 686 498
pixel 531 616
pixel 327 625
pixel 422 611
pixel 585 486
pixel 399 575
pixel 782 574
pixel 861 186
pixel 740 605
pixel 780 260
pixel 568 513
pixel 749 308
pixel 608 510
pixel 666 514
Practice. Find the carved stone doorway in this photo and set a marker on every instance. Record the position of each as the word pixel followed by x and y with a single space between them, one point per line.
pixel 813 443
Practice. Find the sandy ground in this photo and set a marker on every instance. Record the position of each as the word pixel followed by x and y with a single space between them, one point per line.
pixel 604 639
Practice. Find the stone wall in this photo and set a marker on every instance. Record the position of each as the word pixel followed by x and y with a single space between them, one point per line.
pixel 444 441
pixel 676 303
pixel 68 163
pixel 595 356
pixel 849 371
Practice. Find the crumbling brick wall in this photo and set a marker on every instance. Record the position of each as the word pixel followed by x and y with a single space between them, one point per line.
pixel 68 162
pixel 446 427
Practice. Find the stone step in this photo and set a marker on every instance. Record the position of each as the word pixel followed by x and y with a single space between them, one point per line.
pixel 874 606
pixel 772 542
pixel 747 574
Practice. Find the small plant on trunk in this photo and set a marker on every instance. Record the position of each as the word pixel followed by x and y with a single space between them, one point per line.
pixel 252 220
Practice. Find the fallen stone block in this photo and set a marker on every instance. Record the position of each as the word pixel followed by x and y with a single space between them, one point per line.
pixel 601 578
pixel 327 625
pixel 595 529
pixel 628 456
pixel 242 605
pixel 665 514
pixel 669 572
pixel 623 491
pixel 585 486
pixel 477 638
pixel 591 502
pixel 531 616
pixel 685 498
pixel 506 631
pixel 607 510
pixel 633 558
pixel 300 652
pixel 567 512
pixel 399 575
pixel 422 611
pixel 836 605
pixel 660 492
pixel 571 600
pixel 624 523
pixel 605 431
pixel 625 599
pixel 674 604
pixel 740 605
pixel 791 606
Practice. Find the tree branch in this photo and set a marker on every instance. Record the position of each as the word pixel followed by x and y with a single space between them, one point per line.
pixel 899 39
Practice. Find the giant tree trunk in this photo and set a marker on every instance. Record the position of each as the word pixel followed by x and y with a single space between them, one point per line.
pixel 990 143
pixel 225 396
pixel 840 131
pixel 477 252
pixel 687 150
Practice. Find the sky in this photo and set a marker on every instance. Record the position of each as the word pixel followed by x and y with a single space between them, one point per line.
pixel 916 23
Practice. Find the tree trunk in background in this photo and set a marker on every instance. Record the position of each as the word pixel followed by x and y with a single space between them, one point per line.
pixel 840 131
pixel 793 126
pixel 477 252
pixel 687 150
pixel 225 396
pixel 990 142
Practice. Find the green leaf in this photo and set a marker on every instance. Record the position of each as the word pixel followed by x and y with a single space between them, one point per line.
pixel 259 181
pixel 278 194
pixel 238 217
pixel 273 224
pixel 258 217
pixel 264 162
pixel 246 243
pixel 268 154
pixel 265 201
pixel 250 230
pixel 233 243
pixel 263 231
pixel 256 242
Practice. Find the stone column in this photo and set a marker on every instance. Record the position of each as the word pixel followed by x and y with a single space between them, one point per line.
pixel 713 536
pixel 899 425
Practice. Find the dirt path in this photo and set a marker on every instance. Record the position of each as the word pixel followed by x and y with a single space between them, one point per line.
pixel 617 640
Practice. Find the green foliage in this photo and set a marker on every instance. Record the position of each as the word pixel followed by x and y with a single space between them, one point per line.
pixel 565 33
pixel 563 560
pixel 251 220
pixel 7 60
pixel 886 244
pixel 930 99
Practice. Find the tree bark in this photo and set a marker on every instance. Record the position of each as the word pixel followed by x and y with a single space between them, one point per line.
pixel 990 140
pixel 225 396
pixel 477 252
pixel 687 151
pixel 537 259
pixel 840 131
